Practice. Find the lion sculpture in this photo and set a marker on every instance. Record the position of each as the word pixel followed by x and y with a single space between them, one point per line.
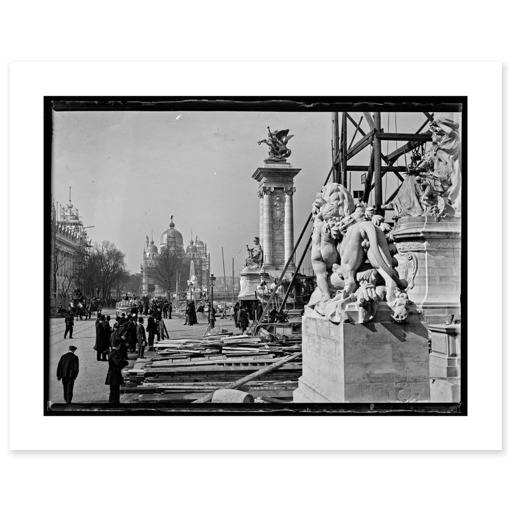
pixel 352 257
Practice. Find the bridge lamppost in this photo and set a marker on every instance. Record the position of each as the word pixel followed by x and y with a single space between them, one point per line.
pixel 211 313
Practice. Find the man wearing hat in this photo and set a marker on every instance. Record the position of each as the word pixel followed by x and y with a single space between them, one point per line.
pixel 114 376
pixel 69 320
pixel 67 371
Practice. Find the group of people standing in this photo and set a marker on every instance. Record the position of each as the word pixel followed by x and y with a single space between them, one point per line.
pixel 241 317
pixel 190 314
pixel 114 343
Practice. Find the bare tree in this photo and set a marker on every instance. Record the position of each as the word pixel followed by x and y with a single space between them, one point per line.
pixel 165 269
pixel 104 270
pixel 133 284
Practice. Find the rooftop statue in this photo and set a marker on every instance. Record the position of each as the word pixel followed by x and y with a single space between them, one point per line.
pixel 352 257
pixel 433 185
pixel 277 140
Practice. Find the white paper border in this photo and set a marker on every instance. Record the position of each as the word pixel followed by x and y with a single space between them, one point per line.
pixel 30 82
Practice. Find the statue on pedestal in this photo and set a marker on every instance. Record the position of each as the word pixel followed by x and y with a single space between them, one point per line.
pixel 254 258
pixel 433 186
pixel 352 257
pixel 277 140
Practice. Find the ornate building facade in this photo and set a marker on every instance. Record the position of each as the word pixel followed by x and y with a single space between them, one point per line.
pixel 69 252
pixel 169 268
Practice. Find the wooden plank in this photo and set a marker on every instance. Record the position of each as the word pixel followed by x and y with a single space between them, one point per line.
pixel 361 144
pixel 395 155
pixel 377 164
pixel 356 130
pixel 358 126
pixel 422 137
pixel 370 121
pixel 384 168
pixel 369 178
pixel 344 149
pixel 252 376
pixel 213 368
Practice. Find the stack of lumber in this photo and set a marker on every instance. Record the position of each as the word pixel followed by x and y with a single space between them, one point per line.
pixel 184 370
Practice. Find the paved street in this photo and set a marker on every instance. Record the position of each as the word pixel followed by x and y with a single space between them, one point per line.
pixel 90 384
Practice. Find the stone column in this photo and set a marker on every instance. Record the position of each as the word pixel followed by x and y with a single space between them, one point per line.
pixel 267 226
pixel 260 195
pixel 276 212
pixel 288 222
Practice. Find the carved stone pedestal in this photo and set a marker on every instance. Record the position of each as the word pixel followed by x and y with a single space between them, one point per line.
pixel 381 361
pixel 445 363
pixel 249 282
pixel 436 247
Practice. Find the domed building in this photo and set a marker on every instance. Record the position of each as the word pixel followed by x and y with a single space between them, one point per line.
pixel 166 270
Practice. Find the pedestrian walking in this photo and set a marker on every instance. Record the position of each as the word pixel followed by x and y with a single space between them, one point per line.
pixel 236 308
pixel 169 309
pixel 130 333
pixel 190 314
pixel 69 320
pixel 243 319
pixel 67 371
pixel 134 310
pixel 114 376
pixel 102 339
pixel 151 329
pixel 141 337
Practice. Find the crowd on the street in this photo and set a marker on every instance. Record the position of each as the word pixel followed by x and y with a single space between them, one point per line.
pixel 113 343
pixel 245 312
pixel 128 334
pixel 132 333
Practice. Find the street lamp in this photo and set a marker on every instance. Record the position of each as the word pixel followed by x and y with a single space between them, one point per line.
pixel 211 312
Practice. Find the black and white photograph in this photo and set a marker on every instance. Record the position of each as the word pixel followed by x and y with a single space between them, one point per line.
pixel 254 255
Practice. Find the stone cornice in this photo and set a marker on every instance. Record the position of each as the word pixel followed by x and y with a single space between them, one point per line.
pixel 276 173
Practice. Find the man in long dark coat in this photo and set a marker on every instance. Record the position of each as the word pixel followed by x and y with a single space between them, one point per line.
pixel 67 371
pixel 236 308
pixel 102 339
pixel 114 376
pixel 130 333
pixel 243 319
pixel 141 336
pixel 134 311
pixel 69 320
pixel 190 314
pixel 151 329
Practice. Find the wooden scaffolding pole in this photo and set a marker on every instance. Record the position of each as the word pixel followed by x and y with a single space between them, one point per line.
pixel 344 149
pixel 336 148
pixel 377 164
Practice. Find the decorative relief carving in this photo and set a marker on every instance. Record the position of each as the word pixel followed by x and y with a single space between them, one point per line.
pixel 267 190
pixel 277 211
pixel 411 246
pixel 407 267
pixel 289 190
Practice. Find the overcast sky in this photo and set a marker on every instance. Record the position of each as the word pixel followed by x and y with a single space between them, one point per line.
pixel 130 171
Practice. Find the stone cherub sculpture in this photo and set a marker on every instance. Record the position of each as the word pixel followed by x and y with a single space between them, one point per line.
pixel 277 140
pixel 254 258
pixel 352 257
